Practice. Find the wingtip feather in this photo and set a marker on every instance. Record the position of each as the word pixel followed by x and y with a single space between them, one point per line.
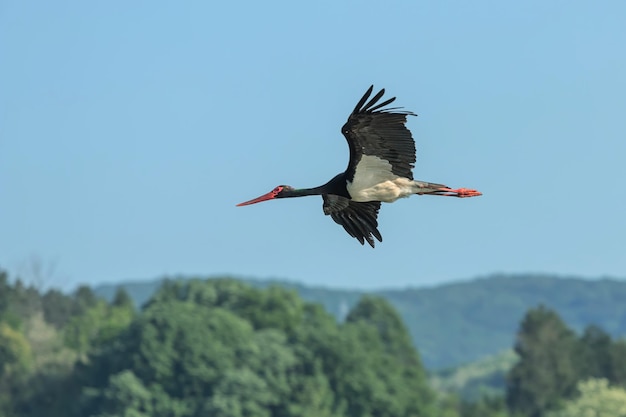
pixel 367 94
pixel 373 101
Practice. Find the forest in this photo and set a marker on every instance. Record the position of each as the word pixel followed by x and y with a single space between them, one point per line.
pixel 222 347
pixel 458 323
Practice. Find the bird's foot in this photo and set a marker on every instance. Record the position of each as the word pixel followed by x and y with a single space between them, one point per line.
pixel 459 192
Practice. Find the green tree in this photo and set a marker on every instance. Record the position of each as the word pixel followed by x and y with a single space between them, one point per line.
pixel 595 351
pixel 57 308
pixel 223 348
pixel 15 352
pixel 85 299
pixel 24 300
pixel 449 406
pixel 400 367
pixel 97 325
pixel 15 362
pixel 596 399
pixel 178 350
pixel 377 312
pixel 124 396
pixel 239 393
pixel 5 292
pixel 312 395
pixel 485 407
pixel 617 373
pixel 273 307
pixel 317 344
pixel 123 299
pixel 273 360
pixel 602 357
pixel 546 372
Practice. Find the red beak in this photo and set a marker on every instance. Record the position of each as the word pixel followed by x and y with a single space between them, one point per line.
pixel 269 196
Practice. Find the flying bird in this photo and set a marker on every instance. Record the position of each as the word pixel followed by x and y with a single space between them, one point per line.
pixel 382 157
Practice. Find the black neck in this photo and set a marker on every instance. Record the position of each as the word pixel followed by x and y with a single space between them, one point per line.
pixel 335 186
pixel 301 192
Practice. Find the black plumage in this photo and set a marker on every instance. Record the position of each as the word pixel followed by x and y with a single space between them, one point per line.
pixel 358 219
pixel 372 130
pixel 380 134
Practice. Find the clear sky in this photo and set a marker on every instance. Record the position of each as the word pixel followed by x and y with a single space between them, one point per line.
pixel 129 131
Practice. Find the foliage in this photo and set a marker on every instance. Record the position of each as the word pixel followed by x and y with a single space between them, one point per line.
pixel 595 346
pixel 85 298
pixel 547 371
pixel 124 395
pixel 596 399
pixel 123 299
pixel 485 377
pixel 403 375
pixel 96 325
pixel 485 407
pixel 58 308
pixel 602 357
pixel 36 369
pixel 553 360
pixel 15 352
pixel 281 308
pixel 223 348
pixel 5 292
pixel 457 323
pixel 617 373
pixel 595 354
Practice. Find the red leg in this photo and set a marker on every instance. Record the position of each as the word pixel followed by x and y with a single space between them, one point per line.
pixel 459 192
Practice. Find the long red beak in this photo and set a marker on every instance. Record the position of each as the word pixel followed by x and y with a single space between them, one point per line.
pixel 269 196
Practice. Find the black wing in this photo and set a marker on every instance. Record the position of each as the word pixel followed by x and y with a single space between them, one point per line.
pixel 358 219
pixel 372 130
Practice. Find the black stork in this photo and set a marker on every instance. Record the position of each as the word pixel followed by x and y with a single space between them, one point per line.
pixel 382 156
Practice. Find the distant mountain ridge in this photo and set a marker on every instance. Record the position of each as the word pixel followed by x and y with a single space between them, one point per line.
pixel 456 323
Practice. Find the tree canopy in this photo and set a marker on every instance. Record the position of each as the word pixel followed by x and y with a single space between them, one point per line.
pixel 596 399
pixel 221 347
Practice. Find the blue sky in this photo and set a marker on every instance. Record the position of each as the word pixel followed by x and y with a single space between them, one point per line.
pixel 129 131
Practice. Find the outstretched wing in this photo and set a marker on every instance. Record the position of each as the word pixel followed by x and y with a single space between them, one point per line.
pixel 358 219
pixel 372 130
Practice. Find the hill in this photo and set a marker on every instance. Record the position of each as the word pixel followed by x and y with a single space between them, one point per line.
pixel 457 323
pixel 472 381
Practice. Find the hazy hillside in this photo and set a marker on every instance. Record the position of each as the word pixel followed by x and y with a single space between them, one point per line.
pixel 457 323
pixel 474 380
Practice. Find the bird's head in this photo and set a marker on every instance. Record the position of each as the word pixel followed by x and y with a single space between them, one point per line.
pixel 278 192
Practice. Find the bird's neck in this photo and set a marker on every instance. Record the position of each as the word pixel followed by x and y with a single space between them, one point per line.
pixel 301 192
pixel 335 186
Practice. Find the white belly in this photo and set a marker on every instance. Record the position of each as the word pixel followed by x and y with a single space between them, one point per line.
pixel 374 181
pixel 387 191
